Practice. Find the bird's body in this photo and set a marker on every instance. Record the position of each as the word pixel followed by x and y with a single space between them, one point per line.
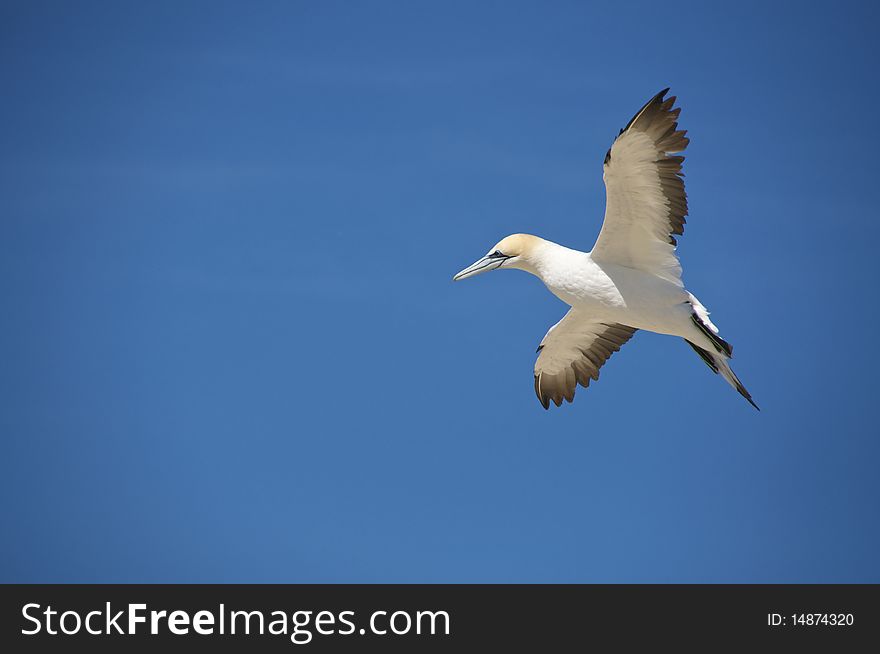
pixel 631 279
pixel 614 293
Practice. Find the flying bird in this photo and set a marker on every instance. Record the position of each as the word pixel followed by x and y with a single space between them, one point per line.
pixel 631 279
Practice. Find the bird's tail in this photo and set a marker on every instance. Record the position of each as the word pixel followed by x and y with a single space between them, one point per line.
pixel 717 361
pixel 718 351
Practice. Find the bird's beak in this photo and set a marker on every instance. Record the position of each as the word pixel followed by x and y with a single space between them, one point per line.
pixel 485 264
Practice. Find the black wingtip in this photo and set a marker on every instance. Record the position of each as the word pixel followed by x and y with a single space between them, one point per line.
pixel 655 100
pixel 544 400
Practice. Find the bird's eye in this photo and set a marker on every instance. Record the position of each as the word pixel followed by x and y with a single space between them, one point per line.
pixel 496 254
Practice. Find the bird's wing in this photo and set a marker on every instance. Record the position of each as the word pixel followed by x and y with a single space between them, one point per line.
pixel 572 352
pixel 645 199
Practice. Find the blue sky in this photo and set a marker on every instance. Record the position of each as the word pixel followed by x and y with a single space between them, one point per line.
pixel 232 350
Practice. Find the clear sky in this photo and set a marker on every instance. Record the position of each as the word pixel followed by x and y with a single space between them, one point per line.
pixel 232 350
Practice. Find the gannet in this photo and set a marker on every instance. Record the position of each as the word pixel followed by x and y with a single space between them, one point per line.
pixel 631 279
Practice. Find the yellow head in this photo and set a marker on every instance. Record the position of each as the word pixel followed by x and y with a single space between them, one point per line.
pixel 514 251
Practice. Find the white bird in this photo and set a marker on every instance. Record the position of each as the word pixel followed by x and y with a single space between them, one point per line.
pixel 631 279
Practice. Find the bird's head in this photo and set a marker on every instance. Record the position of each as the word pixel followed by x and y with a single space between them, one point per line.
pixel 514 251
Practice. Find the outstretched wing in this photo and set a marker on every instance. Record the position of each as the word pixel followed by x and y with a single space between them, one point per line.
pixel 572 352
pixel 645 199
